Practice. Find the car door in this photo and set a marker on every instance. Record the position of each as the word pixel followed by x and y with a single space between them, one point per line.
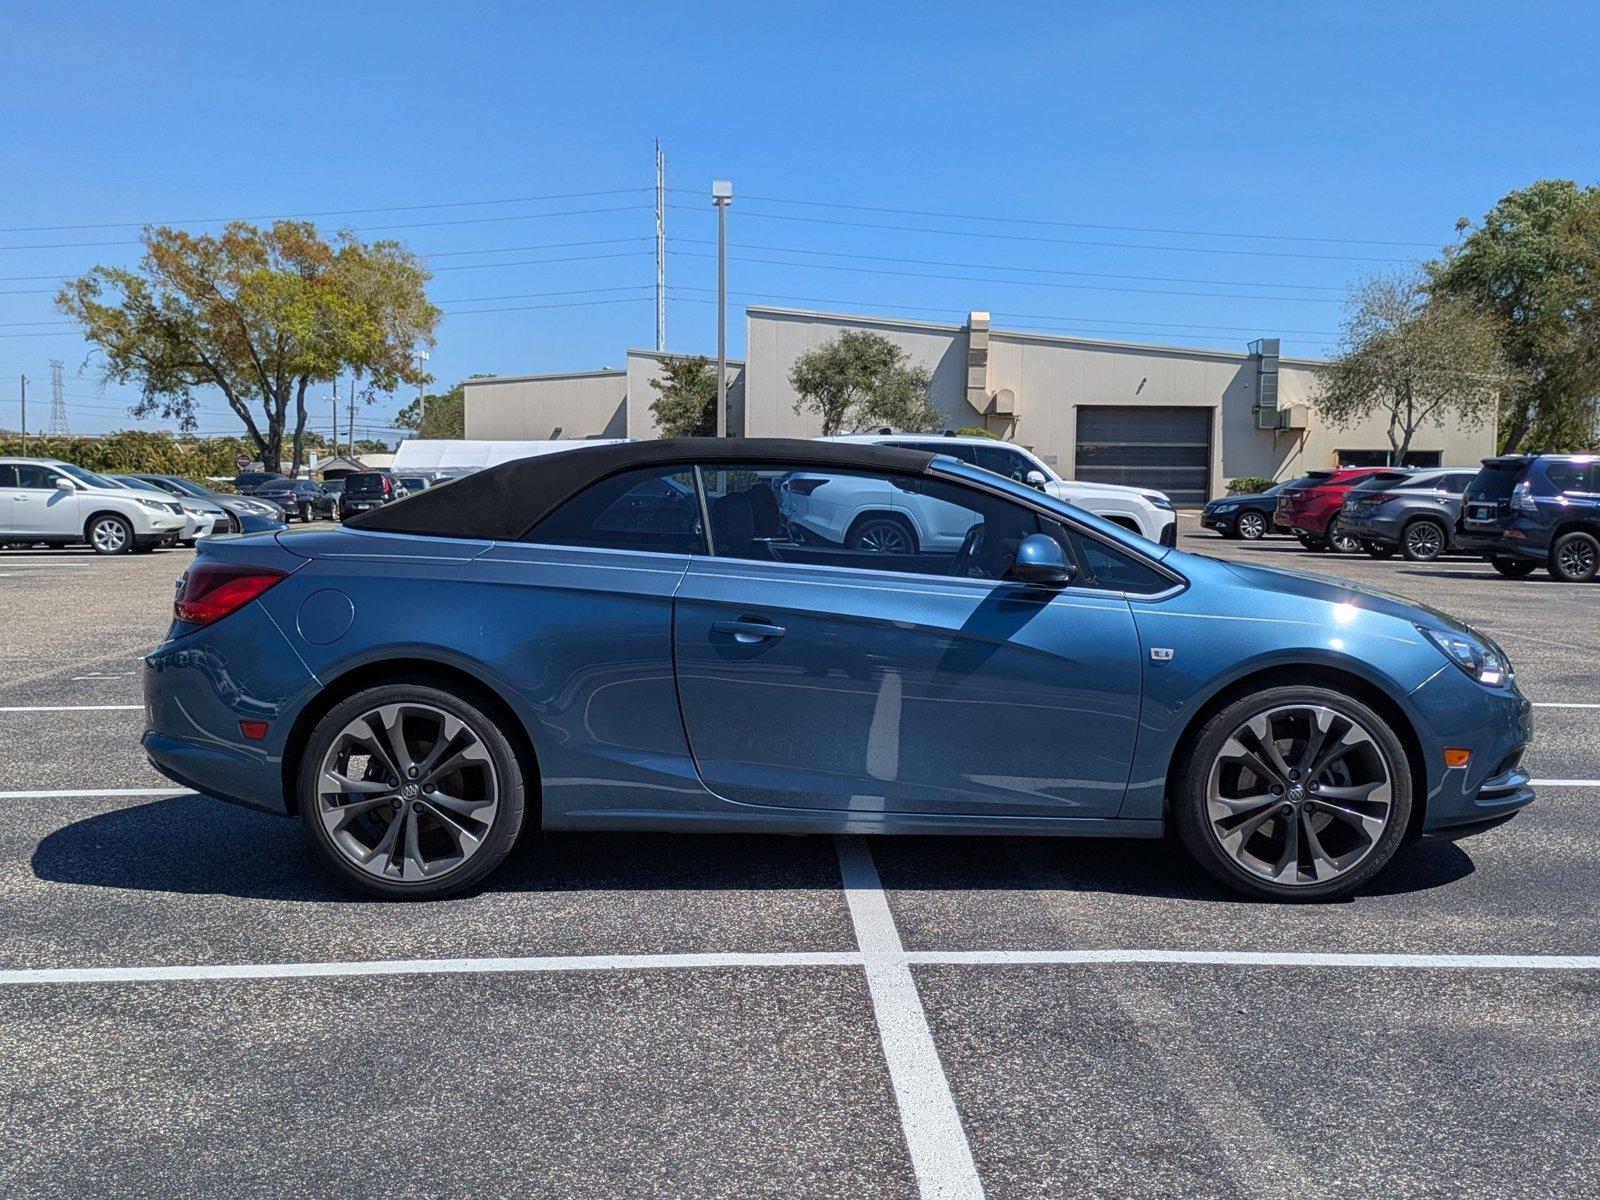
pixel 830 676
pixel 40 506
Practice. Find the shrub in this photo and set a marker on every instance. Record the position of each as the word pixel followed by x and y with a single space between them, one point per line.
pixel 1248 485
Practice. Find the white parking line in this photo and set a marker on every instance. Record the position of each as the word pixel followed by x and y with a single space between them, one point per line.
pixel 940 1156
pixel 1257 958
pixel 91 794
pixel 1564 783
pixel 37 708
pixel 427 966
pixel 1554 704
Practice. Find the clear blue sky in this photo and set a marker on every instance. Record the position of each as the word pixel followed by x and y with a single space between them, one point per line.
pixel 1370 126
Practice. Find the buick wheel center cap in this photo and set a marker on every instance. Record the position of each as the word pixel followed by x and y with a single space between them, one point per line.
pixel 409 791
pixel 1296 793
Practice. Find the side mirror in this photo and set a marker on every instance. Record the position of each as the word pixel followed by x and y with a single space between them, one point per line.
pixel 1040 563
pixel 1036 479
pixel 65 484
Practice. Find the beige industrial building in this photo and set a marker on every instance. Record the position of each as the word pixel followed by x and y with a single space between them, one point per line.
pixel 1178 419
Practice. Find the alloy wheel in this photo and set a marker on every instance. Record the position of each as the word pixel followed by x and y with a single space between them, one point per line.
pixel 407 792
pixel 882 537
pixel 1342 541
pixel 1576 557
pixel 1424 540
pixel 109 536
pixel 1299 795
pixel 1252 525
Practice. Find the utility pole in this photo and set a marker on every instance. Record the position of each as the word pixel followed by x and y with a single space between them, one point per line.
pixel 352 442
pixel 24 415
pixel 58 400
pixel 334 441
pixel 722 196
pixel 421 356
pixel 661 250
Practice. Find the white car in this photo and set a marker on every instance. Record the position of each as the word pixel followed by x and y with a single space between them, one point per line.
pixel 45 500
pixel 1144 511
pixel 201 518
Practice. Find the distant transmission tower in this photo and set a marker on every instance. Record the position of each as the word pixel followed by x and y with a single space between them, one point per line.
pixel 58 401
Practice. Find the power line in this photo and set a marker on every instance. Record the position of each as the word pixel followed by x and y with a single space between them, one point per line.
pixel 1043 283
pixel 632 287
pixel 915 212
pixel 333 212
pixel 1017 237
pixel 1047 316
pixel 939 262
pixel 472 312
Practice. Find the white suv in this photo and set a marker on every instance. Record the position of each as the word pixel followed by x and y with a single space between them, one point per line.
pixel 1142 510
pixel 44 500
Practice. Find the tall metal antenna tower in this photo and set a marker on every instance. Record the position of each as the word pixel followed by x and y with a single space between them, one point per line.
pixel 58 400
pixel 661 249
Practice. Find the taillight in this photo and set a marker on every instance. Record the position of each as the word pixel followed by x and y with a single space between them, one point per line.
pixel 1522 497
pixel 210 591
pixel 804 487
pixel 387 487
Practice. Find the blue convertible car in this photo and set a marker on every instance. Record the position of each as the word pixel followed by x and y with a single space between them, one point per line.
pixel 646 636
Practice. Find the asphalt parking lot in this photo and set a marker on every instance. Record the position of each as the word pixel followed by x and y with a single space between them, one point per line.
pixel 190 1007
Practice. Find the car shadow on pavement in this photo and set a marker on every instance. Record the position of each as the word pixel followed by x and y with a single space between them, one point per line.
pixel 193 845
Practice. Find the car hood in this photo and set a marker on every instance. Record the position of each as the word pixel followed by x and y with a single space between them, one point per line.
pixel 1320 587
pixel 1067 488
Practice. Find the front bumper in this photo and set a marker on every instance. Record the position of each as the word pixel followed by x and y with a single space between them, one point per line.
pixel 1496 726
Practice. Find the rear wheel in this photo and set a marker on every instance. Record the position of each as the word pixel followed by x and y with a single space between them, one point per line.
pixel 882 535
pixel 1341 541
pixel 1251 526
pixel 110 534
pixel 1512 568
pixel 1423 540
pixel 1575 557
pixel 411 792
pixel 1295 793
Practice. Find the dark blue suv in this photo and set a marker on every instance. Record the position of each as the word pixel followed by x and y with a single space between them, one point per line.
pixel 1526 509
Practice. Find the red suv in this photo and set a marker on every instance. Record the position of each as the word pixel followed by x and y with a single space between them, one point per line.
pixel 1310 507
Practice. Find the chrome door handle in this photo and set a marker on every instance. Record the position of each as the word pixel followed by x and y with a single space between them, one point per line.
pixel 749 631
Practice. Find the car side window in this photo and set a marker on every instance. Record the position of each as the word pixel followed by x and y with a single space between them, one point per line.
pixel 1003 461
pixel 887 522
pixel 32 475
pixel 651 508
pixel 1569 477
pixel 1116 570
pixel 8 476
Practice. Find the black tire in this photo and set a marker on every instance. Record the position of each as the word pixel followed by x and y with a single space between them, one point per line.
pixel 1310 542
pixel 510 791
pixel 1340 541
pixel 884 533
pixel 1378 549
pixel 1512 568
pixel 1195 825
pixel 305 512
pixel 1424 539
pixel 1250 526
pixel 108 533
pixel 1575 557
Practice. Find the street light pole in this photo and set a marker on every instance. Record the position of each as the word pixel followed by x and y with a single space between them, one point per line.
pixel 24 414
pixel 421 356
pixel 722 196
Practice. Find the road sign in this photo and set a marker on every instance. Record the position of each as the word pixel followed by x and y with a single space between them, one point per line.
pixel 241 461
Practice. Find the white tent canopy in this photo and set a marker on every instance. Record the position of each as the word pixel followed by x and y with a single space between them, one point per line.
pixel 422 456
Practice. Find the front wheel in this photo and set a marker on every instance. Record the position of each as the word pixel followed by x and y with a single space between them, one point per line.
pixel 1295 793
pixel 411 792
pixel 1251 526
pixel 110 534
pixel 1575 557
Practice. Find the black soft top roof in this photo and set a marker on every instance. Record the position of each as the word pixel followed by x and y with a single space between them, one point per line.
pixel 502 503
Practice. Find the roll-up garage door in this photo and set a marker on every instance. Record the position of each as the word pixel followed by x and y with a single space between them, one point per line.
pixel 1168 449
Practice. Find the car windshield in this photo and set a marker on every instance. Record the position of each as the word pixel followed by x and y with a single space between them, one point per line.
pixel 87 478
pixel 1381 480
pixel 172 483
pixel 135 485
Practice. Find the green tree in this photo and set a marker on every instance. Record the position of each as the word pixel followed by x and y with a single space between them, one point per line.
pixel 258 314
pixel 1533 265
pixel 859 379
pixel 1414 360
pixel 686 397
pixel 437 415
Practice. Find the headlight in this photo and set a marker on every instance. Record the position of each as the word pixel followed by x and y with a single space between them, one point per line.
pixel 1158 500
pixel 1226 507
pixel 190 510
pixel 153 505
pixel 1484 663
